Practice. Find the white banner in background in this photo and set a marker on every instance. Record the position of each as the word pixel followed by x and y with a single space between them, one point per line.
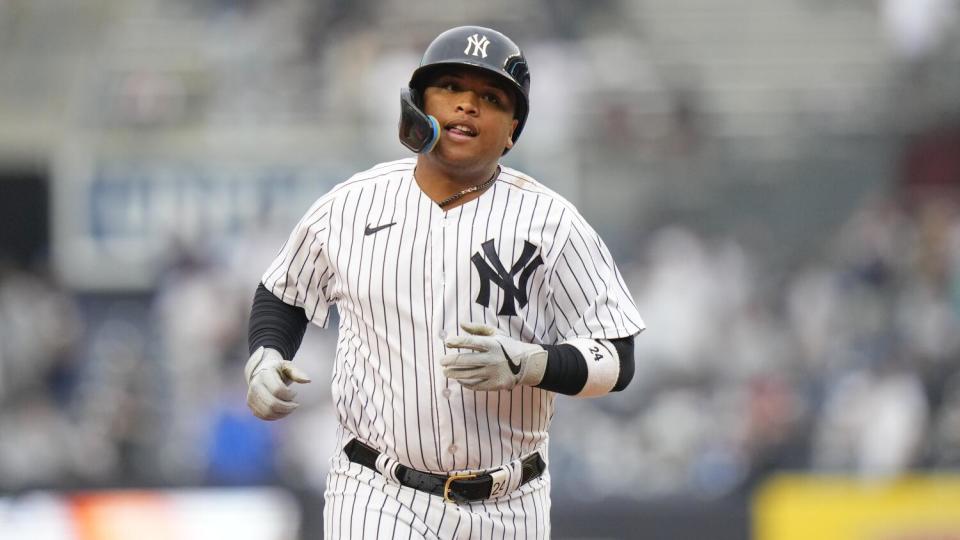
pixel 115 218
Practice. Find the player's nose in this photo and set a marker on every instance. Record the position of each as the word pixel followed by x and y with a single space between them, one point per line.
pixel 467 102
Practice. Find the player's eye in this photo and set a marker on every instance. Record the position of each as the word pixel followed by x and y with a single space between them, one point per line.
pixel 492 98
pixel 449 86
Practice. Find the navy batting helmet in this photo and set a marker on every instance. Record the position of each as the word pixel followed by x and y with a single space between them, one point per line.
pixel 471 46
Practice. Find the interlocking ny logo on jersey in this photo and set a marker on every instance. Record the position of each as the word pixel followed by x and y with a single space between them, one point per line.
pixel 479 44
pixel 512 293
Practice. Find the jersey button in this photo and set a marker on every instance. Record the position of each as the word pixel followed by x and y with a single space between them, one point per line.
pixel 446 392
pixel 453 449
pixel 443 334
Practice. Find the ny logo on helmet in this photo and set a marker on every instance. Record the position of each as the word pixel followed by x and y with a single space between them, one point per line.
pixel 512 294
pixel 479 44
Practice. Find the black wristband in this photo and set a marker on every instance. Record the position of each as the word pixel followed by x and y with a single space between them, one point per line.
pixel 275 324
pixel 566 371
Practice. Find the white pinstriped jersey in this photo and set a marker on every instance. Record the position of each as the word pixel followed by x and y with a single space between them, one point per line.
pixel 403 274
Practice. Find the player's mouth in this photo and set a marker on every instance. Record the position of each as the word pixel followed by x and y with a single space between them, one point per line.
pixel 459 130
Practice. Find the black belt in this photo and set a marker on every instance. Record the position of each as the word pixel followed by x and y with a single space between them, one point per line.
pixel 455 487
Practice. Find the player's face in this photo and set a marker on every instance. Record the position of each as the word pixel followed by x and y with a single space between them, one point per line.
pixel 475 112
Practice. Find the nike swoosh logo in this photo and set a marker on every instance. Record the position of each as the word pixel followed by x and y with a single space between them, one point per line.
pixel 370 230
pixel 514 367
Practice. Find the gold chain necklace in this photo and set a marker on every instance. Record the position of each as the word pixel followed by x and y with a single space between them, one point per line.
pixel 471 189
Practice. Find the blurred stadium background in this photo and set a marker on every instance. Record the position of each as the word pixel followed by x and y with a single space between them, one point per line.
pixel 778 179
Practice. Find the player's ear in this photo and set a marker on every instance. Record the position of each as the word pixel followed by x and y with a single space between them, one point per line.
pixel 513 127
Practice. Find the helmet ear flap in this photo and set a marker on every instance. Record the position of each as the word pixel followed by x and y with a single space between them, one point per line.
pixel 418 131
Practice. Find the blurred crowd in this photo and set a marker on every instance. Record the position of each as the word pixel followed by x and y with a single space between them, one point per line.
pixel 848 363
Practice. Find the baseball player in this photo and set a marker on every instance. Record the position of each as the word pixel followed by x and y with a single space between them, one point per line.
pixel 469 296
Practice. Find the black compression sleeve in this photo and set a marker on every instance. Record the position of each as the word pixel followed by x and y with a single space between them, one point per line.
pixel 624 348
pixel 275 324
pixel 566 371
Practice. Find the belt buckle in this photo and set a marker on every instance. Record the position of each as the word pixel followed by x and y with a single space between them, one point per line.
pixel 450 479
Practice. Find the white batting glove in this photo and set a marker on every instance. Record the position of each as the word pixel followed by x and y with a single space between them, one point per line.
pixel 498 362
pixel 269 376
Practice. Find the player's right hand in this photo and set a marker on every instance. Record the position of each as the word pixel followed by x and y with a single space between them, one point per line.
pixel 268 376
pixel 495 361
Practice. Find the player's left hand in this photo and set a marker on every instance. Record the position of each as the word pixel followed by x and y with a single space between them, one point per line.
pixel 496 361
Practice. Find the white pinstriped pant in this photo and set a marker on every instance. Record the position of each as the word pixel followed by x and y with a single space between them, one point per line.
pixel 360 503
